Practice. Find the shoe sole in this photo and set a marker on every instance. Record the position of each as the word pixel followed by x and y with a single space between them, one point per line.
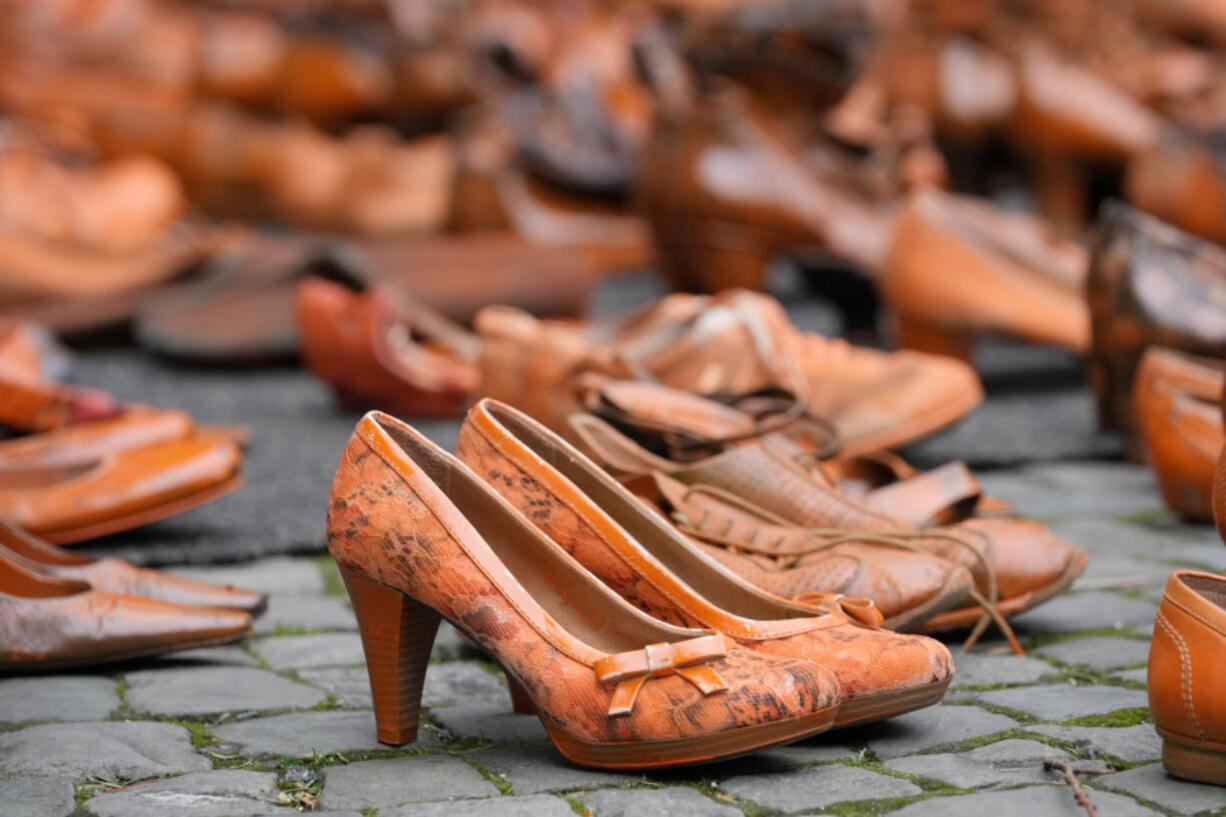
pixel 38 667
pixel 913 429
pixel 1191 759
pixel 881 705
pixel 950 594
pixel 68 536
pixel 644 755
pixel 966 617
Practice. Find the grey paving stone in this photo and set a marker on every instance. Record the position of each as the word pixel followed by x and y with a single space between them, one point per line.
pixel 301 651
pixel 305 613
pixel 668 802
pixel 57 698
pixel 1060 702
pixel 280 576
pixel 1152 783
pixel 816 786
pixel 112 750
pixel 493 723
pixel 384 783
pixel 1091 610
pixel 1123 487
pixel 1004 763
pixel 463 682
pixel 1140 675
pixel 977 669
pixel 816 750
pixel 39 796
pixel 1129 743
pixel 230 793
pixel 211 690
pixel 537 767
pixel 1048 801
pixel 536 805
pixel 1098 653
pixel 303 733
pixel 1113 538
pixel 927 728
pixel 227 655
pixel 1051 492
pixel 350 685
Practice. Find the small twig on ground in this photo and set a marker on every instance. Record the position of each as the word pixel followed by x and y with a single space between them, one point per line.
pixel 1070 776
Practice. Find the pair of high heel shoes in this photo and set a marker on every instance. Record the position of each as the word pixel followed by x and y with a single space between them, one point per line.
pixel 633 647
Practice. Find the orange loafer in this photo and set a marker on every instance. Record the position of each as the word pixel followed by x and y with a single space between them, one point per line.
pixel 120 491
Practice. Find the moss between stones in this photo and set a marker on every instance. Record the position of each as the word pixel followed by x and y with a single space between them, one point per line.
pixel 1119 718
pixel 996 737
pixel 500 782
pixel 575 805
pixel 1044 639
pixel 334 585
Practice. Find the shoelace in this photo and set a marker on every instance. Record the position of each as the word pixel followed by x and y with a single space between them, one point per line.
pixel 821 539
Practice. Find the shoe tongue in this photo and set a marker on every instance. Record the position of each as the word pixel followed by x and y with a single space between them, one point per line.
pixel 766 475
pixel 652 406
pixel 734 342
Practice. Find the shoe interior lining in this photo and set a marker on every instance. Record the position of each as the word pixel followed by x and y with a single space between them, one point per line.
pixel 573 597
pixel 707 579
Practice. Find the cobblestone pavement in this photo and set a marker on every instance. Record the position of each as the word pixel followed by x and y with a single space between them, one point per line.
pixel 284 719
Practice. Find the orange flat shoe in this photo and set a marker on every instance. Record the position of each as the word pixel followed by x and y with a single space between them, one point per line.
pixel 614 687
pixel 83 443
pixel 367 345
pixel 124 490
pixel 119 577
pixel 1175 403
pixel 49 623
pixel 636 553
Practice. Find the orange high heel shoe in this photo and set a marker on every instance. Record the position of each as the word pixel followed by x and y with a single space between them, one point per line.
pixel 635 552
pixel 419 537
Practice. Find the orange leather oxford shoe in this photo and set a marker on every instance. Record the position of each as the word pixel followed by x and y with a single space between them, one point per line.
pixel 1187 663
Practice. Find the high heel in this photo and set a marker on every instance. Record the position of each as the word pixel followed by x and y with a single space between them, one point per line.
pixel 613 687
pixel 712 258
pixel 397 635
pixel 521 701
pixel 925 336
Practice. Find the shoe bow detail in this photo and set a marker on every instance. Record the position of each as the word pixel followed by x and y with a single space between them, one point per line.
pixel 856 608
pixel 630 670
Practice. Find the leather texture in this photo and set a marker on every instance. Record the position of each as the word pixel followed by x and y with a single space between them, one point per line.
pixel 411 517
pixel 635 552
pixel 82 443
pixel 1175 402
pixel 366 346
pixel 50 622
pixel 735 342
pixel 1017 561
pixel 958 269
pixel 1149 285
pixel 119 577
pixel 119 491
pixel 1187 661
